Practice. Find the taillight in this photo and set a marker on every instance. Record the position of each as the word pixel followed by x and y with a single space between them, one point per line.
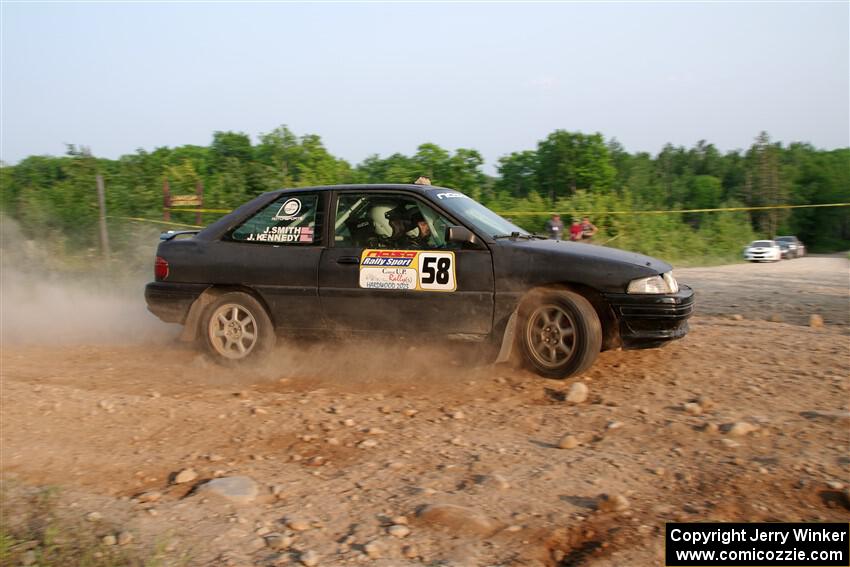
pixel 160 268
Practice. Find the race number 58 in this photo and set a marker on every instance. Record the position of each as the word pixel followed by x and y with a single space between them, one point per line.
pixel 437 271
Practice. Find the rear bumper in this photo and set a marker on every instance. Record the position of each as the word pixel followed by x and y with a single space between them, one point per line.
pixel 648 321
pixel 171 301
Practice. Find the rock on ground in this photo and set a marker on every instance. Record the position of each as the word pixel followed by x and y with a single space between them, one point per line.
pixel 309 558
pixel 612 503
pixel 399 530
pixel 742 428
pixel 578 393
pixel 236 489
pixel 184 476
pixel 457 519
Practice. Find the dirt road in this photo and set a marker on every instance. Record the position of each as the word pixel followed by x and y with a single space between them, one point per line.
pixel 398 455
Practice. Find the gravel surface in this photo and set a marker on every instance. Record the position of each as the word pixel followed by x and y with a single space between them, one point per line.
pixel 394 454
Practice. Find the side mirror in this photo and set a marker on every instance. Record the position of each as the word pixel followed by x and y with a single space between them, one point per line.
pixel 460 234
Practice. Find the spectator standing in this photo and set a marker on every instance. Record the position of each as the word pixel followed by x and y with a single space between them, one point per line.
pixel 575 230
pixel 588 229
pixel 555 227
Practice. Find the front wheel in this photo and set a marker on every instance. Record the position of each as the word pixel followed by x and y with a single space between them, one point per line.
pixel 561 334
pixel 236 328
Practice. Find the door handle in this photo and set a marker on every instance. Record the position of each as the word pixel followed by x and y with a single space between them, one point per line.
pixel 348 260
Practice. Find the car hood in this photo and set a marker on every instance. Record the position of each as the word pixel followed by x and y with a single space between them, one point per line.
pixel 552 261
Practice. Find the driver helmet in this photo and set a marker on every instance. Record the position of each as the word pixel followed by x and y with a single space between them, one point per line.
pixel 400 221
pixel 379 215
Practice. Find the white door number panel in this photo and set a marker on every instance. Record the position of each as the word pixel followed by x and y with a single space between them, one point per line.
pixel 437 271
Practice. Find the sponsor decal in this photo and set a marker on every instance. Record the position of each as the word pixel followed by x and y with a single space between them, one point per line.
pixel 387 278
pixel 288 211
pixel 283 234
pixel 408 270
pixel 389 258
pixel 451 196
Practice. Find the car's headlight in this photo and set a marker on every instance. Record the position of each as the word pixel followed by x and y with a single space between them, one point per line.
pixel 665 283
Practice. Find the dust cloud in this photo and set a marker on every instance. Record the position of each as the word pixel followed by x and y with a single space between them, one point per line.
pixel 379 361
pixel 47 299
pixel 43 301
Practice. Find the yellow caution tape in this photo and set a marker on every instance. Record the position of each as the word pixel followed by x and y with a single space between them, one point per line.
pixel 167 223
pixel 526 213
pixel 532 213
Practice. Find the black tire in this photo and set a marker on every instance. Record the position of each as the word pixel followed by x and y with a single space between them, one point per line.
pixel 236 329
pixel 561 334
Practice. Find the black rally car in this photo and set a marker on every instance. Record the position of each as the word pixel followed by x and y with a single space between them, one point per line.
pixel 405 260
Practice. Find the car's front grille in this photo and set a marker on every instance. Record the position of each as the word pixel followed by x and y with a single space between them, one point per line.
pixel 634 307
pixel 682 311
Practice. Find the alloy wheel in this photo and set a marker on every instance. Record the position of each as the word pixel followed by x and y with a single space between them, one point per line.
pixel 550 333
pixel 233 331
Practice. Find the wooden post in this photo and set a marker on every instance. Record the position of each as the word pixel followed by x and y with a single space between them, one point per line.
pixel 199 191
pixel 166 201
pixel 101 202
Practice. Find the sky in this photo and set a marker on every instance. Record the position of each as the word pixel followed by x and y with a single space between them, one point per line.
pixel 380 78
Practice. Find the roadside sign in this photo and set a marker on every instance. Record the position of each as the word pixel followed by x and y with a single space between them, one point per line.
pixel 186 201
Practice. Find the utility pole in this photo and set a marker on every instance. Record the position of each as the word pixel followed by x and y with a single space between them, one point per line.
pixel 166 200
pixel 101 202
pixel 199 191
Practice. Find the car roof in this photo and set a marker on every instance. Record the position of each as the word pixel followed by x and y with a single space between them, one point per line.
pixel 366 187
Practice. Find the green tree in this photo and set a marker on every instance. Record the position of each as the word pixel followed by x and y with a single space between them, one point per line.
pixel 764 184
pixel 518 173
pixel 433 161
pixel 569 161
pixel 465 172
pixel 230 145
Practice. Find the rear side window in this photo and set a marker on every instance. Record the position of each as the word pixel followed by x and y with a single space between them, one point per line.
pixel 290 220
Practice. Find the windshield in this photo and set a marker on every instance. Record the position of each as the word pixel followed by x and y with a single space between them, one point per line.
pixel 785 239
pixel 763 243
pixel 480 217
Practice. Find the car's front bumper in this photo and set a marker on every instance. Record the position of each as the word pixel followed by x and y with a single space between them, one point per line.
pixel 647 321
pixel 171 301
pixel 762 256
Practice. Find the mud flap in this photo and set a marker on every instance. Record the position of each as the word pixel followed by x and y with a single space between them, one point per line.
pixel 190 327
pixel 508 340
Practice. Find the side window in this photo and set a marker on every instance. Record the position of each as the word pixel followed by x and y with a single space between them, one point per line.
pixel 292 220
pixel 386 220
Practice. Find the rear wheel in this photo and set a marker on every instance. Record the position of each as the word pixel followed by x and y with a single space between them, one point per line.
pixel 236 328
pixel 561 334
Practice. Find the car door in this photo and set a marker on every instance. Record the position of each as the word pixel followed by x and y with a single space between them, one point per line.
pixel 276 252
pixel 380 275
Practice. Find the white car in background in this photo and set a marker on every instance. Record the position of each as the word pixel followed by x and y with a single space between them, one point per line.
pixel 763 251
